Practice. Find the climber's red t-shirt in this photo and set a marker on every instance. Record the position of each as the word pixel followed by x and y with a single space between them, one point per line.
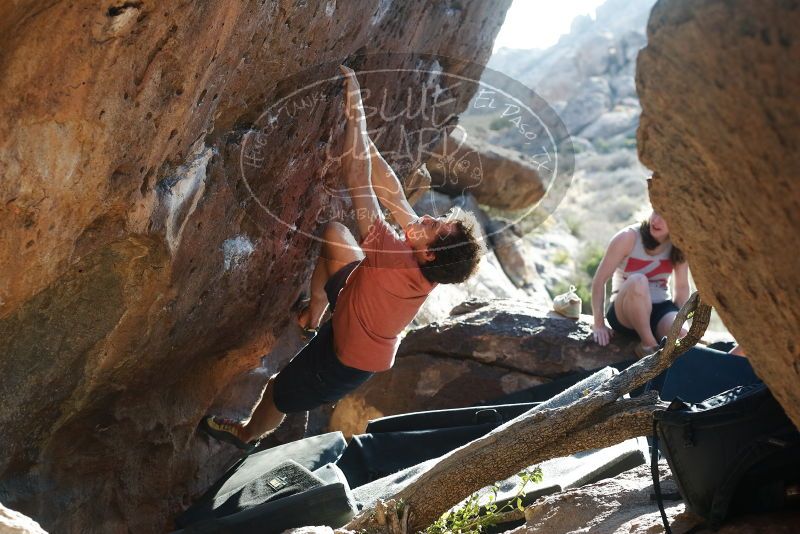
pixel 380 298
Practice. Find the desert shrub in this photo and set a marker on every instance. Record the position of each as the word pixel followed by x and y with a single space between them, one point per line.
pixel 591 259
pixel 561 257
pixel 574 225
pixel 499 123
pixel 470 516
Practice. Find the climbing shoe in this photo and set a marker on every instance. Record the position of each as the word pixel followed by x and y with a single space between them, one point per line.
pixel 223 429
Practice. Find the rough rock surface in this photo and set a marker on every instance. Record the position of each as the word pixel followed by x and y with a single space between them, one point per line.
pixel 592 100
pixel 516 258
pixel 721 130
pixel 138 272
pixel 619 121
pixel 622 505
pixel 496 176
pixel 495 347
pixel 516 335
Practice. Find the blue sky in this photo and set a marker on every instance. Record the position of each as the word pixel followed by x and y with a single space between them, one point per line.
pixel 539 23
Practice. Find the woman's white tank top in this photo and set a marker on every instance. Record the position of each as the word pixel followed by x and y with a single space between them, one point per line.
pixel 657 268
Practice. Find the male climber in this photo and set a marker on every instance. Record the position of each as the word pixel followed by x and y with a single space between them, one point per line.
pixel 374 290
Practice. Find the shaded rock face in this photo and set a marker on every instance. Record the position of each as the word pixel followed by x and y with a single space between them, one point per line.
pixel 484 350
pixel 420 382
pixel 721 130
pixel 138 272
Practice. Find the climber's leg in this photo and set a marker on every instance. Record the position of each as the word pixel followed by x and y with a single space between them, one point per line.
pixel 266 416
pixel 314 377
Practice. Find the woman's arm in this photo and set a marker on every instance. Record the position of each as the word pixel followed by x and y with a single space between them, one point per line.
pixel 619 247
pixel 681 284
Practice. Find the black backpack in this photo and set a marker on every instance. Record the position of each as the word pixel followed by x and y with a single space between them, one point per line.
pixel 735 451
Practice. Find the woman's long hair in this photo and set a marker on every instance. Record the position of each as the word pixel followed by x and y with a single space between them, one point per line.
pixel 651 243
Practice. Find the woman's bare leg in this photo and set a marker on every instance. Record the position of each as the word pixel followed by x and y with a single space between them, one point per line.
pixel 665 323
pixel 633 307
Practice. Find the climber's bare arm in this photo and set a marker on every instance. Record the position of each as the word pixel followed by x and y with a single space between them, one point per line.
pixel 357 161
pixel 388 189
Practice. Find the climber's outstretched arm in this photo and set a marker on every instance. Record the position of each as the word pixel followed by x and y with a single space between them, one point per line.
pixel 357 161
pixel 389 190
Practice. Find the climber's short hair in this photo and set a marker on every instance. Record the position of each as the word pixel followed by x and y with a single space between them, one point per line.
pixel 457 253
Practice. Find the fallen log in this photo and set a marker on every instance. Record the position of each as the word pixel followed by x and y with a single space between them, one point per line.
pixel 599 419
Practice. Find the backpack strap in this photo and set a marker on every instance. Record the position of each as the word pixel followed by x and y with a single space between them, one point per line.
pixel 656 477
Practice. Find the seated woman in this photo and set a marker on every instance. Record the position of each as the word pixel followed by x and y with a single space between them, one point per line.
pixel 642 259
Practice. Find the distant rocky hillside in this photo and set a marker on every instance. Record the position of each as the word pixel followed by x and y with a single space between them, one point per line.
pixel 588 79
pixel 602 47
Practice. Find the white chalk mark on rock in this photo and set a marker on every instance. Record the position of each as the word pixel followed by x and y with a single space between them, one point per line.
pixel 383 8
pixel 236 251
pixel 184 192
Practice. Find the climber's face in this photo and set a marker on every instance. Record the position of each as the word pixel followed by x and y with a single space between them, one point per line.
pixel 422 233
pixel 658 227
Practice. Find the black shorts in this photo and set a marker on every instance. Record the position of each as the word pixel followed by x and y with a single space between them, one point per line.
pixel 658 313
pixel 315 376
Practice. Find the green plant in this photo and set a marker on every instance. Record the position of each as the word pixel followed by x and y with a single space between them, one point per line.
pixel 561 257
pixel 471 516
pixel 591 260
pixel 602 146
pixel 574 225
pixel 499 123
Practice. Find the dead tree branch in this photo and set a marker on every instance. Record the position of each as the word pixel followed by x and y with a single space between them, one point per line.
pixel 597 420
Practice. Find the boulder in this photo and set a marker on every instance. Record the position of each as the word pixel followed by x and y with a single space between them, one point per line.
pixel 623 86
pixel 12 522
pixel 720 128
pixel 591 101
pixel 495 176
pixel 484 350
pixel 420 382
pixel 624 505
pixel 620 120
pixel 514 334
pixel 158 219
pixel 517 259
